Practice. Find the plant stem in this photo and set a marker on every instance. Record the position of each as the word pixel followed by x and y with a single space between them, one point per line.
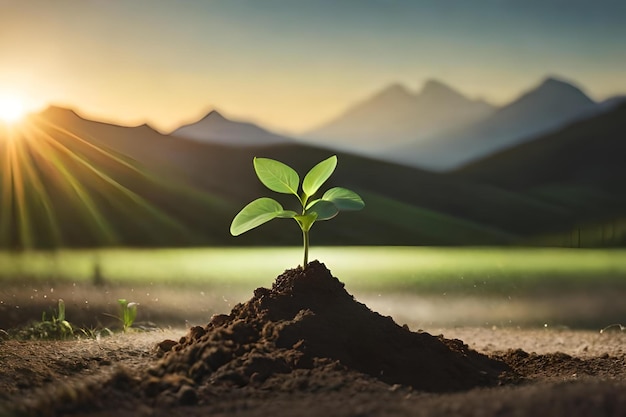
pixel 305 236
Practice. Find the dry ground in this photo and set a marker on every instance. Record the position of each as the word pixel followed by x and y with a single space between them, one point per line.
pixel 563 372
pixel 569 373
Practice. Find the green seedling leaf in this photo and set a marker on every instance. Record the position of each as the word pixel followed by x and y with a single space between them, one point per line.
pixel 325 210
pixel 283 179
pixel 260 211
pixel 65 328
pixel 131 314
pixel 128 313
pixel 306 220
pixel 277 176
pixel 344 199
pixel 318 175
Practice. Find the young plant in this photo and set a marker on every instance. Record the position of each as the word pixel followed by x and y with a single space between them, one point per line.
pixel 57 327
pixel 283 179
pixel 128 313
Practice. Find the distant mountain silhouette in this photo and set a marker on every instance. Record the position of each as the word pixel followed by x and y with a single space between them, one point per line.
pixel 76 182
pixel 396 115
pixel 550 105
pixel 88 183
pixel 587 153
pixel 215 128
pixel 579 168
pixel 611 103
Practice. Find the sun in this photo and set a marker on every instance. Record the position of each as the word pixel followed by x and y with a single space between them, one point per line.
pixel 12 108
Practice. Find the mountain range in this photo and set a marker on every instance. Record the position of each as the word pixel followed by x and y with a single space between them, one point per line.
pixel 550 105
pixel 215 128
pixel 395 116
pixel 457 130
pixel 71 181
pixel 437 128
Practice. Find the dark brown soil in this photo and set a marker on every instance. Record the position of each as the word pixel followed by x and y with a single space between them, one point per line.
pixel 305 347
pixel 308 320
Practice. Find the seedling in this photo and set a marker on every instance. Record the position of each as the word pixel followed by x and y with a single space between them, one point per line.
pixel 283 179
pixel 128 313
pixel 57 327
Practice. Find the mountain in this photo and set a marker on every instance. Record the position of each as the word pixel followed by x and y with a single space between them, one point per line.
pixel 611 103
pixel 215 128
pixel 70 181
pixel 76 182
pixel 587 153
pixel 396 115
pixel 549 106
pixel 579 168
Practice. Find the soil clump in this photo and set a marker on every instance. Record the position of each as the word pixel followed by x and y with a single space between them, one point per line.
pixel 308 323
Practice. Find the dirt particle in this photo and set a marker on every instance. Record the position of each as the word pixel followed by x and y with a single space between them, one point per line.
pixel 187 395
pixel 165 346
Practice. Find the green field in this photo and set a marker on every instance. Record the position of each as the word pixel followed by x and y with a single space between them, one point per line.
pixel 476 271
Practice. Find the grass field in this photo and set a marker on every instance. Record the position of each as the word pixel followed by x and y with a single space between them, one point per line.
pixel 416 269
pixel 425 287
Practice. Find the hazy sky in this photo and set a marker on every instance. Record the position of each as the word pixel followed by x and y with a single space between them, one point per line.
pixel 292 64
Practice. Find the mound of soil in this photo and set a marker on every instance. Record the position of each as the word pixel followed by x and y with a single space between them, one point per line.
pixel 307 323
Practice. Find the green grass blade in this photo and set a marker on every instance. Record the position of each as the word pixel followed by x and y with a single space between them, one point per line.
pixel 61 316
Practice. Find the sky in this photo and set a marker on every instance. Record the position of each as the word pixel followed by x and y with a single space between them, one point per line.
pixel 291 65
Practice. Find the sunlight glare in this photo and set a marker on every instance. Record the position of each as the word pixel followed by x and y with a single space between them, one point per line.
pixel 12 108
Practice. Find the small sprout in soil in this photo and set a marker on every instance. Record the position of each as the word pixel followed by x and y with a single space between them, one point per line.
pixel 95 333
pixel 54 328
pixel 283 179
pixel 128 313
pixel 57 327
